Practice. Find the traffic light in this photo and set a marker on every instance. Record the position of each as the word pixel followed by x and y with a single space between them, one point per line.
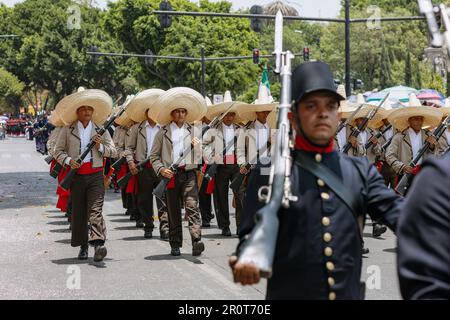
pixel 256 55
pixel 165 20
pixel 256 23
pixel 306 53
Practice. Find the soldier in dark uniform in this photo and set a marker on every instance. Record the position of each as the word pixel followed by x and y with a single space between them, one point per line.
pixel 424 234
pixel 318 249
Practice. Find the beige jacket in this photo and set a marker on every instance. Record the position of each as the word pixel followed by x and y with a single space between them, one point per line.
pixel 52 141
pixel 68 144
pixel 213 142
pixel 246 151
pixel 136 143
pixel 161 153
pixel 374 152
pixel 399 153
pixel 355 152
pixel 119 136
pixel 443 144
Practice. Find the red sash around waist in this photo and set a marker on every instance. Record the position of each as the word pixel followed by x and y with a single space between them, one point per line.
pixel 86 168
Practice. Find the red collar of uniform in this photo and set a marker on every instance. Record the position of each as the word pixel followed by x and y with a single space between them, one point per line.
pixel 302 144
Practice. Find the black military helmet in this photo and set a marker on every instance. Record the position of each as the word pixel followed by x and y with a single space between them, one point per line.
pixel 310 77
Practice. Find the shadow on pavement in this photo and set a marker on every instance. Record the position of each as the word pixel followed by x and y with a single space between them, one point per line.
pixel 64 241
pixel 391 250
pixel 58 217
pixel 126 228
pixel 120 220
pixel 59 223
pixel 218 236
pixel 187 257
pixel 65 230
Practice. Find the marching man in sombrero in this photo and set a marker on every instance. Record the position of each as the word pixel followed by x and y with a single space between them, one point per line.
pixel 123 124
pixel 346 108
pixel 406 144
pixel 254 143
pixel 219 139
pixel 177 109
pixel 85 111
pixel 138 145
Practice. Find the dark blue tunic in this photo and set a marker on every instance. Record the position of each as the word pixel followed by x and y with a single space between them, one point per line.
pixel 318 252
pixel 424 234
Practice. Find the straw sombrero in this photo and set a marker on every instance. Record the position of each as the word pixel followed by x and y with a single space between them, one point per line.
pixel 399 117
pixel 217 109
pixel 377 120
pixel 247 112
pixel 99 100
pixel 179 98
pixel 143 101
pixel 446 108
pixel 272 118
pixel 56 120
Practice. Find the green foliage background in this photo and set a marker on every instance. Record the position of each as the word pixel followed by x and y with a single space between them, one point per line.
pixel 51 58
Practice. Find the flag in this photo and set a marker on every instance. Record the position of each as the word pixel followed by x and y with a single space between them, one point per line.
pixel 265 78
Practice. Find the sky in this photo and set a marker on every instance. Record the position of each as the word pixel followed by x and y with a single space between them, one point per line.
pixel 307 8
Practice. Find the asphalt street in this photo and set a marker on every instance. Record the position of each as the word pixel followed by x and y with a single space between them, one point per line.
pixel 37 261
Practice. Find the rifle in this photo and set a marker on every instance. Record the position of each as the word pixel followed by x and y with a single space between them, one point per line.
pixel 48 159
pixel 162 185
pixel 363 125
pixel 407 178
pixel 259 248
pixel 343 124
pixel 67 181
pixel 388 143
pixel 212 168
pixel 377 136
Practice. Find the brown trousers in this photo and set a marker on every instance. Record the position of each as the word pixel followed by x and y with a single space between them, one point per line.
pixel 388 175
pixel 147 181
pixel 225 174
pixel 186 191
pixel 87 193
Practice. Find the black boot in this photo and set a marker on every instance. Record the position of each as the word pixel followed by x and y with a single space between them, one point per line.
pixel 175 251
pixel 226 232
pixel 100 253
pixel 197 248
pixel 83 255
pixel 378 230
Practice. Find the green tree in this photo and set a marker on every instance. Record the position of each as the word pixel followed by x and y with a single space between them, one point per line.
pixel 52 54
pixel 10 91
pixel 139 30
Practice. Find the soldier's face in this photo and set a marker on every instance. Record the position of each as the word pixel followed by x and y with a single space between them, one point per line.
pixel 358 122
pixel 416 123
pixel 319 117
pixel 229 118
pixel 179 115
pixel 84 113
pixel 262 116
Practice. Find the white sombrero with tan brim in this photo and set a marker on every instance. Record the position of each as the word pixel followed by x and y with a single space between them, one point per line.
pixel 247 112
pixel 99 100
pixel 272 118
pixel 399 117
pixel 446 108
pixel 179 98
pixel 345 107
pixel 376 121
pixel 143 101
pixel 217 109
pixel 56 120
